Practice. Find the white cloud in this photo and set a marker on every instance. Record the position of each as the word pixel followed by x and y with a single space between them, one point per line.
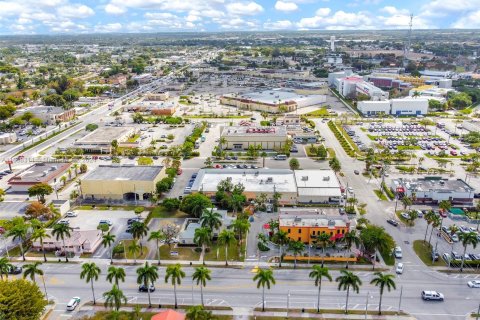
pixel 75 11
pixel 114 9
pixel 109 27
pixel 285 6
pixel 244 8
pixel 322 12
pixel 278 25
pixel 392 10
pixel 339 20
pixel 470 21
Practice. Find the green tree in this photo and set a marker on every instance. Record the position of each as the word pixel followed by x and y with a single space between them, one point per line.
pixel 176 274
pixel 31 270
pixel 297 247
pixel 198 313
pixel 90 272
pixel 107 241
pixel 114 298
pixel 429 218
pixel 147 275
pixel 264 278
pixel 195 204
pixel 317 274
pixel 40 190
pixel 460 101
pixel 115 275
pixel 467 238
pixel 211 219
pixel 202 237
pixel 201 275
pixel 226 238
pixel 5 267
pixel 62 231
pixel 375 238
pixel 21 300
pixel 19 231
pixel 382 280
pixel 445 205
pixel 139 230
pixel 134 249
pixel 157 236
pixel 323 239
pixel 346 281
pixel 407 202
pixel 335 164
pixel 281 238
pixel 322 152
pixel 351 238
pixel 241 227
pixel 294 164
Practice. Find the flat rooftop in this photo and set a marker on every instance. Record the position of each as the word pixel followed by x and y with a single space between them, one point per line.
pixel 39 172
pixel 254 180
pixel 274 96
pixel 104 135
pixel 434 184
pixel 253 131
pixel 44 109
pixel 311 221
pixel 125 172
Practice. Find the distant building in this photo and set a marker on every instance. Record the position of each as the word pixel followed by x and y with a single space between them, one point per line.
pixel 187 231
pixel 434 190
pixel 52 115
pixel 100 140
pixel 8 137
pixel 398 107
pixel 152 107
pixel 273 101
pixel 125 182
pixel 354 85
pixel 240 138
pixel 48 173
pixel 80 241
pixel 289 119
pixel 432 91
pixel 143 78
pixel 157 96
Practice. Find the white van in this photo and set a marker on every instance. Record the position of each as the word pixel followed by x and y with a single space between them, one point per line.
pixel 280 157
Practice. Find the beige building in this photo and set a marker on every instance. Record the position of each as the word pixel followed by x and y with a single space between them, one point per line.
pixel 240 138
pixel 8 137
pixel 127 182
pixel 100 140
pixel 157 96
pixel 80 241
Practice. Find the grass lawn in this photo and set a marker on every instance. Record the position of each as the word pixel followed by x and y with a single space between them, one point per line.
pixel 184 253
pixel 331 152
pixel 126 315
pixel 322 112
pixel 140 255
pixel 324 311
pixel 380 195
pixel 145 161
pixel 424 252
pixel 388 258
pixel 232 252
pixel 40 254
pixel 133 138
pixel 161 212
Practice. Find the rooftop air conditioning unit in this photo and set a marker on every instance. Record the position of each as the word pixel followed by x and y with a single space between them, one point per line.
pixel 304 178
pixel 327 178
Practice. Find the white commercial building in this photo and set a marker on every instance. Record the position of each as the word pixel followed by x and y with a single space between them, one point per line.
pixel 352 85
pixel 399 107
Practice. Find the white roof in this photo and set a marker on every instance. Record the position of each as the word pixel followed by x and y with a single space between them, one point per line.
pixel 320 192
pixel 316 179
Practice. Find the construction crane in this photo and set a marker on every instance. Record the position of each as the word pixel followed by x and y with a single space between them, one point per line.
pixel 406 49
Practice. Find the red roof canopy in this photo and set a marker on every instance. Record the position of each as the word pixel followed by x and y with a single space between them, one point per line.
pixel 169 315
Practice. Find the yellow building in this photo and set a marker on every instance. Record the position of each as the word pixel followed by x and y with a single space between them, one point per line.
pixel 307 227
pixel 109 182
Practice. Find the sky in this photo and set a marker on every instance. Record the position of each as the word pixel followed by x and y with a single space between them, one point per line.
pixel 133 16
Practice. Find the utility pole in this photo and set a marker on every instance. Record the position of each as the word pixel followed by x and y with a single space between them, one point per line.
pixel 406 49
pixel 400 300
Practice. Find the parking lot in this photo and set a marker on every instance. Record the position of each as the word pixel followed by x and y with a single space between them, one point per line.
pixel 89 219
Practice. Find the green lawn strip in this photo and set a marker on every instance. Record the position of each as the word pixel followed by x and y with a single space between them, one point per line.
pixel 140 255
pixel 161 212
pixel 133 138
pixel 184 253
pixel 424 252
pixel 323 311
pixel 380 195
pixel 388 257
pixel 233 252
pixel 409 148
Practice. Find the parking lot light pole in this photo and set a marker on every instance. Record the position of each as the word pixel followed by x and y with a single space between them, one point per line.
pixel 400 300
pixel 288 302
pixel 478 312
pixel 366 305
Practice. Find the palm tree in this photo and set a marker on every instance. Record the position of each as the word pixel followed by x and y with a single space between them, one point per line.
pixel 221 142
pixel 198 312
pixel 383 280
pixel 114 298
pixel 5 267
pixel 62 231
pixel 139 230
pixel 175 273
pixel 39 234
pixel 263 154
pixel 107 241
pixel 211 219
pixel 317 274
pixel 202 274
pixel 297 247
pixel 115 275
pixel 147 275
pixel 436 222
pixel 202 238
pixel 134 249
pixel 429 217
pixel 226 238
pixel 264 277
pixel 241 226
pixel 467 238
pixel 346 281
pixel 19 231
pixel 157 236
pixel 351 238
pixel 31 270
pixel 90 272
pixel 323 239
pixel 406 201
pixel 281 238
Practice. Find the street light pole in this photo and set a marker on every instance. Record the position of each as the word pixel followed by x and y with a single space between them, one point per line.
pixel 366 305
pixel 288 302
pixel 400 300
pixel 478 312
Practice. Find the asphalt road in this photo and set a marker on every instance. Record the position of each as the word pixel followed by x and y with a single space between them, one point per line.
pixel 235 288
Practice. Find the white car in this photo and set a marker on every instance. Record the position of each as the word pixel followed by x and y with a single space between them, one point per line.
pixel 71 214
pixel 474 284
pixel 73 303
pixel 398 252
pixel 399 268
pixel 350 189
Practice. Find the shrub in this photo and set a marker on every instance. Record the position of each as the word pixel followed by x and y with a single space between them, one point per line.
pixel 139 210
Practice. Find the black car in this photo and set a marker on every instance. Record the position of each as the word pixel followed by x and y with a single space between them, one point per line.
pixel 143 288
pixel 15 270
pixel 132 220
pixel 393 222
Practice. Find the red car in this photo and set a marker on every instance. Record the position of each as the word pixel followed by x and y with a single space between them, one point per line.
pixel 453 152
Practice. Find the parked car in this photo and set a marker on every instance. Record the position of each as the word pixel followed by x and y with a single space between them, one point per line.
pixel 392 222
pixel 143 288
pixel 398 252
pixel 73 303
pixel 405 216
pixel 432 295
pixel 399 268
pixel 64 221
pixel 106 222
pixel 356 172
pixel 15 270
pixel 71 214
pixel 474 284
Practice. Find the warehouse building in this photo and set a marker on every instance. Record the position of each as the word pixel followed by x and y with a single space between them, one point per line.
pixel 48 173
pixel 299 186
pixel 100 140
pixel 398 107
pixel 126 182
pixel 273 101
pixel 8 137
pixel 241 137
pixel 434 190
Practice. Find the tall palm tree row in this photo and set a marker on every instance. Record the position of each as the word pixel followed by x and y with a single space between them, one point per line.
pixel 202 237
pixel 281 238
pixel 114 298
pixel 264 278
pixel 147 275
pixel 62 231
pixel 202 275
pixel 175 274
pixel 317 274
pixel 40 234
pixel 346 281
pixel 115 275
pixel 157 236
pixel 90 272
pixel 33 269
pixel 383 281
pixel 227 238
pixel 107 241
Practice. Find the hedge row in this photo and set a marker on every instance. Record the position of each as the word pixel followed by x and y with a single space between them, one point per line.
pixel 341 139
